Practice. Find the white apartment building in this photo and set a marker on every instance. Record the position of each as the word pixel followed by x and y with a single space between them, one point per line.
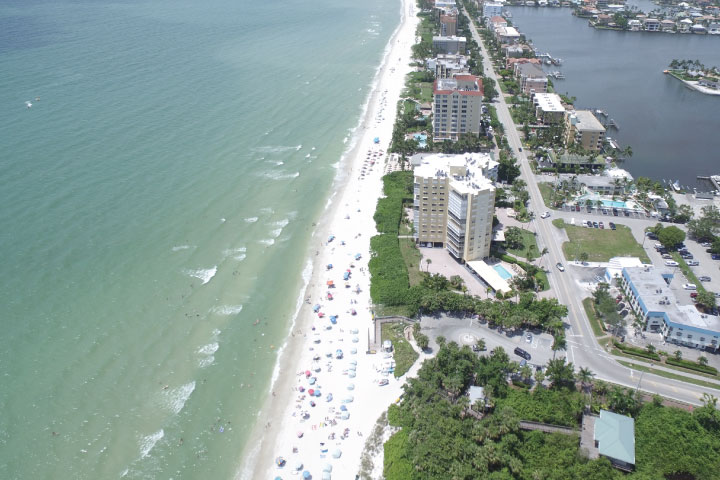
pixel 457 106
pixel 450 44
pixel 454 204
pixel 492 9
pixel 447 66
pixel 548 107
pixel 582 127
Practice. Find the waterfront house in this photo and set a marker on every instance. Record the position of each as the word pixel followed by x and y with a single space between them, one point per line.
pixel 511 62
pixel 667 25
pixel 600 184
pixel 713 29
pixel 531 78
pixel 699 29
pixel 449 45
pixel 497 22
pixel 651 25
pixel 513 51
pixel 634 25
pixel 548 107
pixel 683 26
pixel 507 35
pixel 583 128
pixel 602 19
pixel 457 106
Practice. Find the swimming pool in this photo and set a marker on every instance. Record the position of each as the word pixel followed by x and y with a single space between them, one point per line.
pixel 614 203
pixel 504 274
pixel 421 139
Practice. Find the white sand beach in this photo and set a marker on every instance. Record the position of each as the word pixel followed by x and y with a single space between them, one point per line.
pixel 317 432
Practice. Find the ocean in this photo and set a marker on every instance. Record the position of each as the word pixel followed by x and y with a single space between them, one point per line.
pixel 157 202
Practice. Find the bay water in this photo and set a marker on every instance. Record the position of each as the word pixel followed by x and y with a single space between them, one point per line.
pixel 672 130
pixel 157 202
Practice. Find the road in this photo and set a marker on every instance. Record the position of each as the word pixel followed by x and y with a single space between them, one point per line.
pixel 583 349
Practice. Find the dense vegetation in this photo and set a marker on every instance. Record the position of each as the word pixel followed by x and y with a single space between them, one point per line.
pixel 437 439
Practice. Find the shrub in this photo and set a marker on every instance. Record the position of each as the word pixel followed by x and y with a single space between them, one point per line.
pixel 639 352
pixel 691 365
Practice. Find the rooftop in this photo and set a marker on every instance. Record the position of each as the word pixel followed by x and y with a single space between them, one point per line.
pixel 587 122
pixel 451 38
pixel 463 84
pixel 508 32
pixel 467 172
pixel 615 435
pixel 530 70
pixel 548 102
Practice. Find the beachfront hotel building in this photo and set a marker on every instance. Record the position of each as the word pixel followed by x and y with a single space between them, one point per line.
pixel 531 78
pixel 447 66
pixel 457 106
pixel 583 128
pixel 454 202
pixel 650 297
pixel 492 9
pixel 448 25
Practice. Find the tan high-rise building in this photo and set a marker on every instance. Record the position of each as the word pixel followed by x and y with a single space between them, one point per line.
pixel 583 128
pixel 448 25
pixel 457 106
pixel 454 204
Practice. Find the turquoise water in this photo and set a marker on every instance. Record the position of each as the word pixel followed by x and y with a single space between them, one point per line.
pixel 504 274
pixel 614 203
pixel 157 206
pixel 421 139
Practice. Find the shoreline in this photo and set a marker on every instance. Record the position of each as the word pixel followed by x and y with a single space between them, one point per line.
pixel 348 217
pixel 693 85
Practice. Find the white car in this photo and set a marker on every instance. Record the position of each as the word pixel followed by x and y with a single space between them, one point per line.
pixel 671 263
pixel 545 215
pixel 560 267
pixel 690 286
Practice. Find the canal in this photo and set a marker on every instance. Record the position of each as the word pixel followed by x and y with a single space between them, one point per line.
pixel 674 132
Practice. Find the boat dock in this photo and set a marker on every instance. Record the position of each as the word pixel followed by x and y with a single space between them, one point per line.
pixel 713 179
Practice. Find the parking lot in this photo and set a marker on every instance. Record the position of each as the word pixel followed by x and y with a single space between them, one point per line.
pixel 466 331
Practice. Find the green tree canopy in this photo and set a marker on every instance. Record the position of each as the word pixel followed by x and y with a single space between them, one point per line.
pixel 671 236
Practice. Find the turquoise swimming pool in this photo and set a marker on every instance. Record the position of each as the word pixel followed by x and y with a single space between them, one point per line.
pixel 502 272
pixel 614 203
pixel 421 138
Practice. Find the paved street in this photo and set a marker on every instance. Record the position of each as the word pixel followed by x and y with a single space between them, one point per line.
pixel 583 348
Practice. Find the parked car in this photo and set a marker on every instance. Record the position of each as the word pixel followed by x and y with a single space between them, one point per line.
pixel 658 246
pixel 528 337
pixel 601 225
pixel 595 224
pixel 612 226
pixel 651 236
pixel 706 244
pixel 671 263
pixel 522 353
pixel 705 278
pixel 693 295
pixel 627 213
pixel 615 212
pixel 560 267
pixel 687 256
pixel 519 149
pixel 604 210
pixel 689 286
pixel 667 256
pixel 715 256
pixel 577 208
pixel 545 215
pixel 693 263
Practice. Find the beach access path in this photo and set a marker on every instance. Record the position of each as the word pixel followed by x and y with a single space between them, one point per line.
pixel 328 432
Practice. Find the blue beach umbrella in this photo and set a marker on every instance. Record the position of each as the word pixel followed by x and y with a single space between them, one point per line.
pixel 306 474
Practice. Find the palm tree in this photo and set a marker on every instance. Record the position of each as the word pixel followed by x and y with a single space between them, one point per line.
pixel 559 343
pixel 678 355
pixel 428 262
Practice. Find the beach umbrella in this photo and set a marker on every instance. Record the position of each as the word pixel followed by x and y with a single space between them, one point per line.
pixel 326 476
pixel 280 461
pixel 355 339
pixel 316 308
pixel 317 393
pixel 351 386
pixel 354 330
pixel 345 415
pixel 353 351
pixel 343 408
pixel 302 389
pixel 306 474
pixel 312 381
pixel 348 399
pixel 311 392
pixel 329 397
pixel 376 139
pixel 300 435
pixel 298 466
pixel 351 374
pixel 337 453
pixel 307 373
pixel 327 468
pixel 278 478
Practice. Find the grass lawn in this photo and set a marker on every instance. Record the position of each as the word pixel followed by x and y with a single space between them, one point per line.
pixel 404 354
pixel 661 373
pixel 594 321
pixel 691 278
pixel 412 257
pixel 546 190
pixel 601 245
pixel 426 89
pixel 528 243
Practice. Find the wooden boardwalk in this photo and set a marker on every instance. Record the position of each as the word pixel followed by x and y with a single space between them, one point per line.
pixel 547 428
